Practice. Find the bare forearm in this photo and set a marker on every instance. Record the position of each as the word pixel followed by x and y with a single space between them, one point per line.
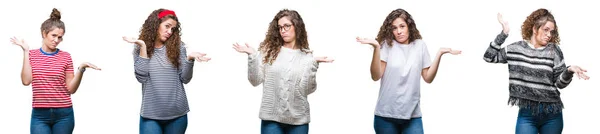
pixel 73 85
pixel 432 71
pixel 143 52
pixel 26 74
pixel 376 71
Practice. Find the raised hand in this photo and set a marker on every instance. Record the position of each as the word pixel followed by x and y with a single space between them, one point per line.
pixel 200 57
pixel 580 72
pixel 19 42
pixel 133 40
pixel 89 65
pixel 504 24
pixel 449 50
pixel 369 41
pixel 323 59
pixel 244 48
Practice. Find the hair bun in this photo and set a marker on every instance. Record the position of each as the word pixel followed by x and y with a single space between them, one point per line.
pixel 55 14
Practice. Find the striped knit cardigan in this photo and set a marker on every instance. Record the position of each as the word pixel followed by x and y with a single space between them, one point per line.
pixel 535 75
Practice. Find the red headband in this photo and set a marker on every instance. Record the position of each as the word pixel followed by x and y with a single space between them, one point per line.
pixel 165 13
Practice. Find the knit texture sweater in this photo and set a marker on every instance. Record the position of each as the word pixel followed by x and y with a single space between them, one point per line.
pixel 535 74
pixel 286 85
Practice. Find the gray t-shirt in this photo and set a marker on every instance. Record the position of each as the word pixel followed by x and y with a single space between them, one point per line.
pixel 400 90
pixel 163 94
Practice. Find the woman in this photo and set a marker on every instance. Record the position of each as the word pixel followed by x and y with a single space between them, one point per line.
pixel 50 72
pixel 285 66
pixel 537 70
pixel 161 65
pixel 400 62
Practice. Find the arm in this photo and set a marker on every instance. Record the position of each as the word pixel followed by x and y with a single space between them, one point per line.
pixel 186 68
pixel 312 78
pixel 428 73
pixel 495 53
pixel 73 80
pixel 378 62
pixel 256 74
pixel 26 72
pixel 562 75
pixel 141 61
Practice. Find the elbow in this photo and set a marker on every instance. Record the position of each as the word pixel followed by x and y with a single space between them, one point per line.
pixel 428 81
pixel 375 78
pixel 26 83
pixel 186 80
pixel 254 84
pixel 71 90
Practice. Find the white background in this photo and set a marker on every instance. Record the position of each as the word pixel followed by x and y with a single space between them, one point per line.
pixel 469 96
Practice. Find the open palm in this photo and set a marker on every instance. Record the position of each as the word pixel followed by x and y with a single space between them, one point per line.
pixel 19 42
pixel 243 48
pixel 133 40
pixel 369 41
pixel 323 59
pixel 504 24
pixel 449 50
pixel 580 72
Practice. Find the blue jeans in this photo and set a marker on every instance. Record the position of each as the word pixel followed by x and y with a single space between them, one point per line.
pixel 272 127
pixel 172 126
pixel 52 121
pixel 384 125
pixel 541 123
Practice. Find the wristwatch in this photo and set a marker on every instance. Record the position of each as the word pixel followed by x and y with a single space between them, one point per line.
pixel 81 69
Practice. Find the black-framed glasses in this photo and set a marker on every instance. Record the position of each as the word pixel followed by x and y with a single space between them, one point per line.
pixel 285 27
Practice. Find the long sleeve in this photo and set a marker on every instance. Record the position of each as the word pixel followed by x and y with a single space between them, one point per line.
pixel 312 77
pixel 562 76
pixel 495 53
pixel 256 74
pixel 186 68
pixel 141 66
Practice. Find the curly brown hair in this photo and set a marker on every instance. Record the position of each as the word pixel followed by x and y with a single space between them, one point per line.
pixel 52 23
pixel 386 31
pixel 537 19
pixel 273 40
pixel 149 34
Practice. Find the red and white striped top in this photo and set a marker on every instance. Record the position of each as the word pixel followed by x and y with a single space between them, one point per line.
pixel 49 72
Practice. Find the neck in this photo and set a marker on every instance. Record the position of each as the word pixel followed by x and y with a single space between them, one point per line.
pixel 48 50
pixel 290 45
pixel 535 43
pixel 158 44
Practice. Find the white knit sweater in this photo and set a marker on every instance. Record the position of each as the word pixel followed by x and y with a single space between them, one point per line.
pixel 286 84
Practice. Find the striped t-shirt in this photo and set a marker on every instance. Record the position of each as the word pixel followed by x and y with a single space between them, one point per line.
pixel 49 73
pixel 163 94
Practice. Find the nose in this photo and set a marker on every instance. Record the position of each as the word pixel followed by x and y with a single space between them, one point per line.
pixel 170 31
pixel 398 31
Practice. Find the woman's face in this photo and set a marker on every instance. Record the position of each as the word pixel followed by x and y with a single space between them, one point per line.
pixel 165 29
pixel 543 34
pixel 53 38
pixel 286 29
pixel 400 30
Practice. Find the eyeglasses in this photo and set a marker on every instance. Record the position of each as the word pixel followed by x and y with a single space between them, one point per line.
pixel 285 27
pixel 551 32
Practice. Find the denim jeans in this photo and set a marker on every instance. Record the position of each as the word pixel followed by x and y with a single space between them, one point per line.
pixel 384 125
pixel 541 123
pixel 272 127
pixel 172 126
pixel 52 121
